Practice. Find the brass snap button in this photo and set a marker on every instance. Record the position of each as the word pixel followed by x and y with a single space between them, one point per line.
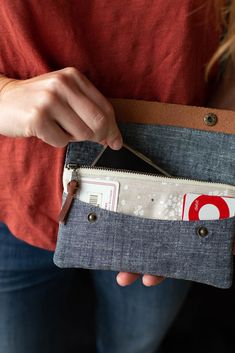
pixel 92 217
pixel 202 231
pixel 210 119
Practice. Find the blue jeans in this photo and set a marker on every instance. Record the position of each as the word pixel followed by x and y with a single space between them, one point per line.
pixel 50 310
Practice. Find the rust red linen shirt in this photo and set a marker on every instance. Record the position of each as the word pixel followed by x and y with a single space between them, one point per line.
pixel 142 49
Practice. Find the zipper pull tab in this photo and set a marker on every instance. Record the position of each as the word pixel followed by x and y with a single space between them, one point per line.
pixel 72 188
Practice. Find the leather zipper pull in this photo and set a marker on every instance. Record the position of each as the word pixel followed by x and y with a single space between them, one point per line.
pixel 72 188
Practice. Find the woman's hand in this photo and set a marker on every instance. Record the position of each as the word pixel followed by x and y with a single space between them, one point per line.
pixel 126 278
pixel 57 107
pixel 60 107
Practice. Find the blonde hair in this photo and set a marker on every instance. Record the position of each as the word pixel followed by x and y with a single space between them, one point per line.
pixel 225 11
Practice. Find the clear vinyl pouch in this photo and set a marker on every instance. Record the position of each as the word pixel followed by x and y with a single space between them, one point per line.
pixel 146 229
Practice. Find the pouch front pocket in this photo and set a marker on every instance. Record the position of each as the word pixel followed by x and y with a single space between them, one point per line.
pixel 95 238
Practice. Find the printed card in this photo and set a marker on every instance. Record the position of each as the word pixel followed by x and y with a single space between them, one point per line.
pixel 101 193
pixel 207 207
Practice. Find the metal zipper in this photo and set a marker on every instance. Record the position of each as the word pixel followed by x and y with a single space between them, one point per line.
pixel 76 167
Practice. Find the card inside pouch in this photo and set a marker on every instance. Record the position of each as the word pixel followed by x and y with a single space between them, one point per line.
pixel 152 196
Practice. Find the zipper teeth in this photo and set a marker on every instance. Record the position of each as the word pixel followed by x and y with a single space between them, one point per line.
pixel 142 173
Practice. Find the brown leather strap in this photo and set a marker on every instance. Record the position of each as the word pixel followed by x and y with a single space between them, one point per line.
pixel 140 111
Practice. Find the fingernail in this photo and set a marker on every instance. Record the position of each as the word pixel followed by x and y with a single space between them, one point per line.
pixel 147 282
pixel 117 143
pixel 119 280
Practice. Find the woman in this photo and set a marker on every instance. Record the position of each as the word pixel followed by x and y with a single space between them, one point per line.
pixel 59 63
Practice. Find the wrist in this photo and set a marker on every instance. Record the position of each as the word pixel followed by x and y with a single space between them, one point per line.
pixel 4 81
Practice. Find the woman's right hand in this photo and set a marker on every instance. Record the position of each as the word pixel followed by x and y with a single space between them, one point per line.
pixel 57 107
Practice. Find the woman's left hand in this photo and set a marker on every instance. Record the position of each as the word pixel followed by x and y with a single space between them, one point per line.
pixel 126 278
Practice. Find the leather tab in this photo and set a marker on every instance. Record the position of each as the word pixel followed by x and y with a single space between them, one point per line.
pixel 72 189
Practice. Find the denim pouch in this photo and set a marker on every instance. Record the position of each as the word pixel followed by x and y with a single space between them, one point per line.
pixel 144 231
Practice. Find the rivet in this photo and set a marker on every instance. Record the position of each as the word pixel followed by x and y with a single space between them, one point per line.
pixel 202 231
pixel 210 119
pixel 92 217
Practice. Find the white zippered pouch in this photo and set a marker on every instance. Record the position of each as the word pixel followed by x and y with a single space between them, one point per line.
pixel 151 196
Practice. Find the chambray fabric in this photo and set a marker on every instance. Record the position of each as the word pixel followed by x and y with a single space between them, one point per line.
pixel 171 248
pixel 45 309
